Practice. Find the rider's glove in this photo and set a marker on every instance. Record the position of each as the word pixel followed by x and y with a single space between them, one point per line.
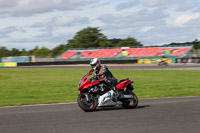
pixel 91 71
pixel 93 78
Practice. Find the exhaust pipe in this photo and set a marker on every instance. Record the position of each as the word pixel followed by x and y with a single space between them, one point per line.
pixel 126 97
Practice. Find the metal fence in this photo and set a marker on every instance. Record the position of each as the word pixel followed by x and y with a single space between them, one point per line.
pixel 19 59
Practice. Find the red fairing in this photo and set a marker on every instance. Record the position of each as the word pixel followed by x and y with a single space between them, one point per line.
pixel 85 83
pixel 123 84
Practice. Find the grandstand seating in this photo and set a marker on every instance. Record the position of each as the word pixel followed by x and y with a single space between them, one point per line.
pixel 181 51
pixel 142 52
pixel 132 52
pixel 68 55
pixel 101 53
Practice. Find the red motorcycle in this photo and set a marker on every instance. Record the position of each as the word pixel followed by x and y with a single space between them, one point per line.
pixel 95 93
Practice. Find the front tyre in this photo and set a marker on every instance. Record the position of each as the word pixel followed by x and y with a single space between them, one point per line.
pixel 132 103
pixel 85 105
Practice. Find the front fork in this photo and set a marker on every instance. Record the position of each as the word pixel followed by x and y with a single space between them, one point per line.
pixel 88 96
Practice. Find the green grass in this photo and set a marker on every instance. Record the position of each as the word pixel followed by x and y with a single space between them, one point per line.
pixel 33 86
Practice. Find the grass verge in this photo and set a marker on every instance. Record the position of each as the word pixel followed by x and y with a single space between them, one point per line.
pixel 33 86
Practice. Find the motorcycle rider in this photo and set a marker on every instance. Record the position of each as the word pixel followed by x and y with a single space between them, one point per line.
pixel 102 72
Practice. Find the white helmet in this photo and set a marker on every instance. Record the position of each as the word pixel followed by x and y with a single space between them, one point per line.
pixel 95 63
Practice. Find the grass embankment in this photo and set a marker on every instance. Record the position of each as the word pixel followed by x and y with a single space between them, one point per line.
pixel 33 86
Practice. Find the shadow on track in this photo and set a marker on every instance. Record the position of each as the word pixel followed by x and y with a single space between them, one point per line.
pixel 110 108
pixel 142 106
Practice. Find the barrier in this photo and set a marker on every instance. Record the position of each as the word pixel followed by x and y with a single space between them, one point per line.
pixel 76 62
pixel 140 61
pixel 1 64
pixel 172 60
pixel 147 61
pixel 154 61
pixel 188 60
pixel 19 59
pixel 10 64
pixel 150 61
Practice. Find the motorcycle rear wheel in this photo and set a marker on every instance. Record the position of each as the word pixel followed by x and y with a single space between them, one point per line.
pixel 85 105
pixel 131 104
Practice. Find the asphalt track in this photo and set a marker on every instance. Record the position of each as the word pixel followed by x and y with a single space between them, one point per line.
pixel 164 115
pixel 127 66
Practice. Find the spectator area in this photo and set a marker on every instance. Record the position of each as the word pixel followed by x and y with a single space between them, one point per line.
pixel 101 53
pixel 130 52
pixel 68 55
pixel 180 51
pixel 143 52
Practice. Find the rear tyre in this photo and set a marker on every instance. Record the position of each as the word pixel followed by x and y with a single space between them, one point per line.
pixel 85 105
pixel 131 104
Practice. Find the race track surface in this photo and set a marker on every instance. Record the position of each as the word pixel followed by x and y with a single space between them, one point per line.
pixel 163 115
pixel 125 66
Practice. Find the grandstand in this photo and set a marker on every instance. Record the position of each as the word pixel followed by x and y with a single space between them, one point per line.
pixel 68 55
pixel 101 53
pixel 131 52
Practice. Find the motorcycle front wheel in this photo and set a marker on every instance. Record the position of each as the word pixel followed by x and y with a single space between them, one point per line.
pixel 85 105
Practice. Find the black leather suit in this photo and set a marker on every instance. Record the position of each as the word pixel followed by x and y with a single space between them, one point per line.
pixel 104 72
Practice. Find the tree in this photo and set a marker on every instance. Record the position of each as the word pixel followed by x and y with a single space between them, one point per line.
pixel 129 42
pixel 15 52
pixel 89 38
pixel 196 44
pixel 59 50
pixel 4 52
pixel 43 52
pixel 115 41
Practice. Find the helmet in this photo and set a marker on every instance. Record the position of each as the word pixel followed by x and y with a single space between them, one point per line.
pixel 95 63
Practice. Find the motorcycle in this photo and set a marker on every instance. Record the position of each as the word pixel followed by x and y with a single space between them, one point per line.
pixel 162 62
pixel 96 94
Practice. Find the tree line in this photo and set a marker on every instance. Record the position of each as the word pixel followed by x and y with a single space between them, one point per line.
pixel 90 37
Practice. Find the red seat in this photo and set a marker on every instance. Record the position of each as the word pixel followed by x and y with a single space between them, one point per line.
pixel 101 53
pixel 180 51
pixel 67 55
pixel 141 52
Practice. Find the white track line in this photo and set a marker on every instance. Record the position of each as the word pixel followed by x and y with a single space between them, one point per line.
pixel 37 105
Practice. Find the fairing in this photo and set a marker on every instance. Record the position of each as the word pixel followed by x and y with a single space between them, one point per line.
pixel 85 83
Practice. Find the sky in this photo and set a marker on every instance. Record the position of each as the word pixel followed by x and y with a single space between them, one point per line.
pixel 49 23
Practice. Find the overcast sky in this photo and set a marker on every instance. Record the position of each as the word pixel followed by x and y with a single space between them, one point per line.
pixel 27 23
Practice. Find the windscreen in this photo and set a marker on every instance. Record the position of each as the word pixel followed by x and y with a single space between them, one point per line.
pixel 82 79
